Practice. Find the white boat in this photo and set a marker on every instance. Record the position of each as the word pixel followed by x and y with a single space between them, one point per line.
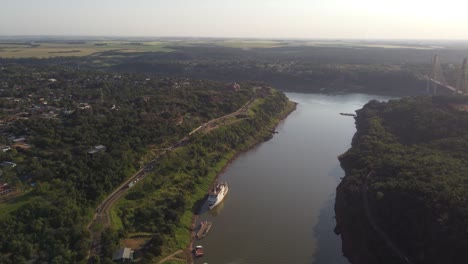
pixel 218 194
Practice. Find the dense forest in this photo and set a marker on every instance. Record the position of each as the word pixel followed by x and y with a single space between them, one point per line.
pixel 403 199
pixel 72 132
pixel 290 68
pixel 74 136
pixel 161 207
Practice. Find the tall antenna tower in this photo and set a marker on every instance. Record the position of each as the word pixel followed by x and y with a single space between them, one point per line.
pixel 436 74
pixel 462 82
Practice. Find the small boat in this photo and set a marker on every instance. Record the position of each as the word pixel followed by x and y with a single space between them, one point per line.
pixel 198 251
pixel 217 195
pixel 347 114
pixel 205 227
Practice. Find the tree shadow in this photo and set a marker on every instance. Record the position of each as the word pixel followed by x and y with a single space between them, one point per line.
pixel 201 206
pixel 328 249
pixel 328 246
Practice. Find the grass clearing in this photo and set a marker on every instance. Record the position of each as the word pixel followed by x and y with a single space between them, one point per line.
pixel 116 222
pixel 250 44
pixel 174 261
pixel 135 243
pixel 14 204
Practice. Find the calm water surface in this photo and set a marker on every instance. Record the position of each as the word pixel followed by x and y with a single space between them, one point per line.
pixel 281 194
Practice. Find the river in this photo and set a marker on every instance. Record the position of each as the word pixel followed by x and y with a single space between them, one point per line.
pixel 281 193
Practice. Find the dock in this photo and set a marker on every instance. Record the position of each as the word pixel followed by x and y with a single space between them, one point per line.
pixel 205 227
pixel 347 114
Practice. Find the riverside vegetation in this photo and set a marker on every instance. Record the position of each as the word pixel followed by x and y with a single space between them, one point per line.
pixel 88 98
pixel 161 208
pixel 291 65
pixel 60 114
pixel 416 193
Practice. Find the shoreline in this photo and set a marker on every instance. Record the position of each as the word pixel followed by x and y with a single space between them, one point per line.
pixel 282 118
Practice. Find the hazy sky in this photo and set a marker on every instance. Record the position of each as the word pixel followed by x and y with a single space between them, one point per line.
pixel 366 19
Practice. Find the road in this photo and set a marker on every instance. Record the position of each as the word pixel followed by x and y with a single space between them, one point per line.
pixel 170 256
pixel 241 110
pixel 374 224
pixel 102 215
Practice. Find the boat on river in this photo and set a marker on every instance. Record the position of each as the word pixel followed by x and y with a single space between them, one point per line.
pixel 217 194
pixel 198 251
pixel 205 227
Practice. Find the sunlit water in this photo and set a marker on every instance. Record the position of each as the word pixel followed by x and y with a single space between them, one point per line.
pixel 281 194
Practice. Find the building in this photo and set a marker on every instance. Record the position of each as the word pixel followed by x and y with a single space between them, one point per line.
pixel 18 139
pixel 96 149
pixel 234 87
pixel 84 106
pixel 263 91
pixel 123 255
pixel 5 148
pixel 8 164
pixel 5 188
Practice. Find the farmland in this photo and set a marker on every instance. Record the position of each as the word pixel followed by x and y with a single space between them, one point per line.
pixel 31 47
pixel 76 49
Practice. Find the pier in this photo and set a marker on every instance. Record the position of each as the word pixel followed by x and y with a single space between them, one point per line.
pixel 205 227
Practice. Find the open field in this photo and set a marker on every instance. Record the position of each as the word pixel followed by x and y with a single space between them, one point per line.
pixel 368 44
pixel 249 44
pixel 47 50
pixel 71 49
pixel 37 48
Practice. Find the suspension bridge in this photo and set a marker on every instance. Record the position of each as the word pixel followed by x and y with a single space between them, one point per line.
pixel 436 78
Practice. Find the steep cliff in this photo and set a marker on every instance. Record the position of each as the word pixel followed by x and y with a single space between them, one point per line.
pixel 404 197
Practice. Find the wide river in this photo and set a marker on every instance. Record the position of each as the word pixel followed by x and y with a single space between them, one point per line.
pixel 281 193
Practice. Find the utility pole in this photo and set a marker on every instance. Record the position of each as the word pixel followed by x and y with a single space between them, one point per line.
pixel 102 96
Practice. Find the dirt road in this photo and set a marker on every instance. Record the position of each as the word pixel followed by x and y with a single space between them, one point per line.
pixel 102 216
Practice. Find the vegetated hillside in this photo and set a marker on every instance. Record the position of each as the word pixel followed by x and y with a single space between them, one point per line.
pixel 54 119
pixel 292 68
pixel 409 163
pixel 290 75
pixel 301 69
pixel 161 208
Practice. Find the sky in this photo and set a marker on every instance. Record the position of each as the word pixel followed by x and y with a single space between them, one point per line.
pixel 330 19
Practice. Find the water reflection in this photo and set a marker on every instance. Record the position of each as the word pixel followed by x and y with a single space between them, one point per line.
pixel 217 209
pixel 327 250
pixel 280 204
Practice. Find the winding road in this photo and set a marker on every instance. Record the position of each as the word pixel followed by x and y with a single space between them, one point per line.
pixel 102 219
pixel 374 224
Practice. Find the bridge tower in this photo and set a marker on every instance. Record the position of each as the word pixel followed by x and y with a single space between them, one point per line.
pixel 462 82
pixel 436 74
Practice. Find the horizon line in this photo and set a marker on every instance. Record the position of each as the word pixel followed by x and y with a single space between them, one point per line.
pixel 224 37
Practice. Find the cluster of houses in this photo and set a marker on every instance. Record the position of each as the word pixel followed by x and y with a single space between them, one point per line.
pixel 6 188
pixel 263 91
pixel 38 97
pixel 16 143
pixel 42 110
pixel 235 87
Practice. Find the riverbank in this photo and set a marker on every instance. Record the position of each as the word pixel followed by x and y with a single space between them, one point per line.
pixel 412 207
pixel 163 206
pixel 288 181
pixel 256 140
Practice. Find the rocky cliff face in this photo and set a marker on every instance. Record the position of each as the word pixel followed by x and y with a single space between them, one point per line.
pixel 404 199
